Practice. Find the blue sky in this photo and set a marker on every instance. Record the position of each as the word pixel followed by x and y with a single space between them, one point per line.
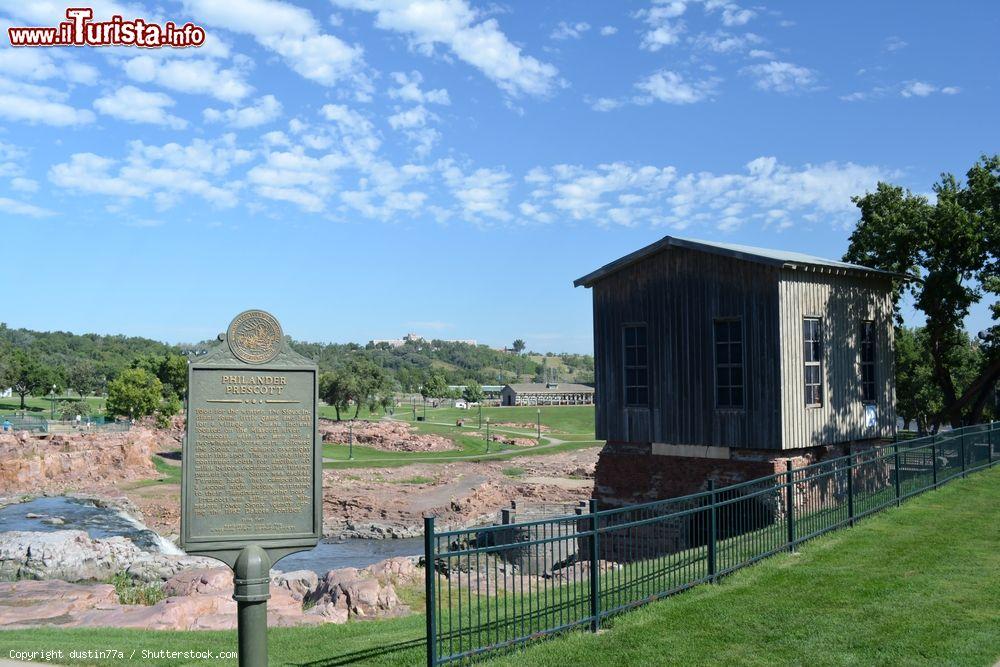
pixel 364 168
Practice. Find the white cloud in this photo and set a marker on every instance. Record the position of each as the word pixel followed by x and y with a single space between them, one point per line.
pixel 196 77
pixel 781 76
pixel 917 89
pixel 290 31
pixel 39 104
pixel 732 14
pixel 565 30
pixel 670 87
pixel 894 44
pixel 408 89
pixel 767 192
pixel 165 174
pixel 456 25
pixel 130 104
pixel 761 53
pixel 481 194
pixel 608 30
pixel 38 65
pixel 724 42
pixel 923 89
pixel 24 184
pixel 264 110
pixel 605 104
pixel 14 207
pixel 415 117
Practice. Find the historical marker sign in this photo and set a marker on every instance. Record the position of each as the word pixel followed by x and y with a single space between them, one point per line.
pixel 252 465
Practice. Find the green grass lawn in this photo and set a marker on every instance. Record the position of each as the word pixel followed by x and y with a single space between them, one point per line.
pixel 912 586
pixel 42 406
pixel 575 419
pixel 574 424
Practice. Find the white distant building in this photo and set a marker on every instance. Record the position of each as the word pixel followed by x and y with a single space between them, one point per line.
pixel 6 393
pixel 415 338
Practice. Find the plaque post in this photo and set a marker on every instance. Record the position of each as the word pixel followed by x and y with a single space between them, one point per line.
pixel 252 475
pixel 251 591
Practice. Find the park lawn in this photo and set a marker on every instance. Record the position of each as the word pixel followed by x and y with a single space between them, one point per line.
pixel 575 419
pixel 471 447
pixel 914 586
pixel 38 405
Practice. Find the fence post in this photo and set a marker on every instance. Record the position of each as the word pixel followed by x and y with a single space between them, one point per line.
pixel 429 587
pixel 934 461
pixel 790 505
pixel 850 489
pixel 895 458
pixel 595 573
pixel 990 441
pixel 712 529
pixel 962 450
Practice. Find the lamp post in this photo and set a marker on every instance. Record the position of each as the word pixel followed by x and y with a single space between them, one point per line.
pixel 52 402
pixel 487 435
pixel 480 414
pixel 350 440
pixel 539 414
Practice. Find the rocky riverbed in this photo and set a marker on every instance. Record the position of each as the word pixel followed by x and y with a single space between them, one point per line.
pixel 58 578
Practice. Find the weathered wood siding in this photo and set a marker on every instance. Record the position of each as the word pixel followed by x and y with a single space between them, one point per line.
pixel 842 302
pixel 678 294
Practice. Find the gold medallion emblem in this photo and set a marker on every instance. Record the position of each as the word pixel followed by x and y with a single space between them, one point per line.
pixel 254 336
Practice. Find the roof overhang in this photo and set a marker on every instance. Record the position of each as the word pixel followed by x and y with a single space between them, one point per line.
pixel 801 263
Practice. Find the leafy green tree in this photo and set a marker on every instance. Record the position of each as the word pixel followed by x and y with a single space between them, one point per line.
pixel 473 392
pixel 134 393
pixel 173 373
pixel 953 245
pixel 336 389
pixel 434 386
pixel 25 375
pixel 518 346
pixel 83 377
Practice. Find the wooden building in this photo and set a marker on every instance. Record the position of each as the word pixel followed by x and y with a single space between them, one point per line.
pixel 720 361
pixel 547 393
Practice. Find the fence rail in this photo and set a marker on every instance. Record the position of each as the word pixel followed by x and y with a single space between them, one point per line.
pixel 498 586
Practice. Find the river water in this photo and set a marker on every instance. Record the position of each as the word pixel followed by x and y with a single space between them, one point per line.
pixel 104 522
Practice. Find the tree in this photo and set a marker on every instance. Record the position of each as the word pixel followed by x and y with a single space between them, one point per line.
pixel 134 393
pixel 953 246
pixel 434 386
pixel 518 346
pixel 25 375
pixel 173 373
pixel 473 392
pixel 83 377
pixel 336 389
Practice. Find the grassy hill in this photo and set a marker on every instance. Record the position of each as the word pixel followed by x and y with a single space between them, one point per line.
pixel 913 586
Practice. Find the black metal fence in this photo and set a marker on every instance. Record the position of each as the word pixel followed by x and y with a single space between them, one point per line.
pixel 498 586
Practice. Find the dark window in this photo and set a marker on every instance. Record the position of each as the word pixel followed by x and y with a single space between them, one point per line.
pixel 812 339
pixel 636 366
pixel 728 364
pixel 867 361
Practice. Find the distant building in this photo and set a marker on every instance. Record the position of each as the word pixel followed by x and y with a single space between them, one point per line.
pixel 6 393
pixel 722 362
pixel 415 338
pixel 547 393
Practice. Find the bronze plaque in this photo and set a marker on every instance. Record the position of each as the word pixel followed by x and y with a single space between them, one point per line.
pixel 252 460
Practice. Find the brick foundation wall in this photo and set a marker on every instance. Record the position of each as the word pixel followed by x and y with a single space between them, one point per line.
pixel 630 474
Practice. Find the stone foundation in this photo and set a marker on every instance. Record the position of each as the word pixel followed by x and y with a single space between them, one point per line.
pixel 635 473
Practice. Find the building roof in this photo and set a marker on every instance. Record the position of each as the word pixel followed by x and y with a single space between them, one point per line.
pixel 779 258
pixel 550 388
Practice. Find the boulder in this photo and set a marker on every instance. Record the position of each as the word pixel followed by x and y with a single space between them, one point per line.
pixel 52 601
pixel 212 581
pixel 301 583
pixel 72 555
